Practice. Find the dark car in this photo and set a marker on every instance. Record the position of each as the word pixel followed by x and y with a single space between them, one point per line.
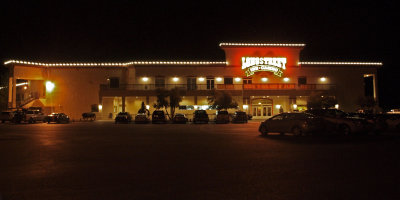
pixel 123 117
pixel 296 123
pixel 239 117
pixel 142 118
pixel 179 119
pixel 222 117
pixel 57 118
pixel 6 116
pixel 158 116
pixel 200 116
pixel 340 122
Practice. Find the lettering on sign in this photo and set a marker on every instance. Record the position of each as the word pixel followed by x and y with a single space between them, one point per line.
pixel 270 64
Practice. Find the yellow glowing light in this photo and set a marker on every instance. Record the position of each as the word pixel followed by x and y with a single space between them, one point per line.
pixel 145 79
pixel 286 79
pixel 25 87
pixel 278 106
pixel 100 107
pixel 147 107
pixel 245 107
pixel 264 79
pixel 201 79
pixel 195 107
pixel 237 79
pixel 175 79
pixel 295 106
pixel 49 86
pixel 322 79
pixel 337 106
pixel 219 79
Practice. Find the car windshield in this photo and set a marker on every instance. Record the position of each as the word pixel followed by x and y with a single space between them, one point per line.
pixel 200 112
pixel 222 112
pixel 158 113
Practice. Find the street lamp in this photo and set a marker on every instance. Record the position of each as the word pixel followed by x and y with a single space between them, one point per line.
pixel 49 86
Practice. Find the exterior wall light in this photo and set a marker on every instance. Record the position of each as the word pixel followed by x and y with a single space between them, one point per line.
pixel 145 79
pixel 237 79
pixel 219 79
pixel 264 79
pixel 245 107
pixel 175 79
pixel 25 87
pixel 295 106
pixel 322 79
pixel 100 107
pixel 147 107
pixel 49 86
pixel 195 107
pixel 201 79
pixel 337 106
pixel 278 106
pixel 286 79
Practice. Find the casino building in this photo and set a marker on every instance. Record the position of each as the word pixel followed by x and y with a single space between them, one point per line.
pixel 263 79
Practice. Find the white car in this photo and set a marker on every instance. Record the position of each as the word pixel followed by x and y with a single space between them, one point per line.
pixel 32 116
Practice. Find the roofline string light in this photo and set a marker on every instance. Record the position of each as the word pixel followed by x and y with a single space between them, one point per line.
pixel 119 64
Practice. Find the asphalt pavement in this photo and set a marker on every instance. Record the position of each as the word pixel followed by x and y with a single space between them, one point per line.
pixel 103 160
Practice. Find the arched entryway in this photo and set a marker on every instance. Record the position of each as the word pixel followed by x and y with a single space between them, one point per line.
pixel 261 108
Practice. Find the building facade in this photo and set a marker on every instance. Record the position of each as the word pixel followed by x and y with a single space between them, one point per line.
pixel 264 79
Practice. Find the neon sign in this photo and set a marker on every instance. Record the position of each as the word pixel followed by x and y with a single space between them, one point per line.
pixel 270 64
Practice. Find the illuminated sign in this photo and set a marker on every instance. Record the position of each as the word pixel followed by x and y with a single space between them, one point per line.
pixel 269 64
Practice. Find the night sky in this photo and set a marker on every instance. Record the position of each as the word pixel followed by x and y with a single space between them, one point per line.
pixel 101 31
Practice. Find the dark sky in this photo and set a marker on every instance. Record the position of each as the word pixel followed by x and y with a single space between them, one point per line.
pixel 96 31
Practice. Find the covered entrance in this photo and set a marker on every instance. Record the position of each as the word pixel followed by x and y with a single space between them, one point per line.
pixel 261 108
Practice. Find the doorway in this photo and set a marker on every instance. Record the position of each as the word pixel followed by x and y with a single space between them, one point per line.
pixel 261 108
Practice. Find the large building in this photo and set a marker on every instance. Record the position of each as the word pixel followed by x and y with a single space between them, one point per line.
pixel 263 79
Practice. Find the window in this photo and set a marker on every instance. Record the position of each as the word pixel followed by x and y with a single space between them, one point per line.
pixel 247 81
pixel 210 83
pixel 160 82
pixel 302 80
pixel 191 83
pixel 114 82
pixel 228 80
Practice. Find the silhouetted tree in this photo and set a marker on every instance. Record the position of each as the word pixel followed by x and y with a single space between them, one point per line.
pixel 143 109
pixel 175 98
pixel 221 100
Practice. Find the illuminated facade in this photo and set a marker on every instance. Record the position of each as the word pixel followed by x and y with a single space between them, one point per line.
pixel 263 79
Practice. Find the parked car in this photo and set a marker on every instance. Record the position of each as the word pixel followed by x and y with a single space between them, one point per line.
pixel 123 117
pixel 296 123
pixel 222 117
pixel 339 121
pixel 179 119
pixel 6 116
pixel 200 116
pixel 158 116
pixel 32 116
pixel 57 117
pixel 239 117
pixel 142 118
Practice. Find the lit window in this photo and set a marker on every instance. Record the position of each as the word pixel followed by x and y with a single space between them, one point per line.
pixel 286 79
pixel 264 79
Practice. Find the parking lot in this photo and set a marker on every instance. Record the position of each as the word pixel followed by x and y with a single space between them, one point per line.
pixel 103 160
